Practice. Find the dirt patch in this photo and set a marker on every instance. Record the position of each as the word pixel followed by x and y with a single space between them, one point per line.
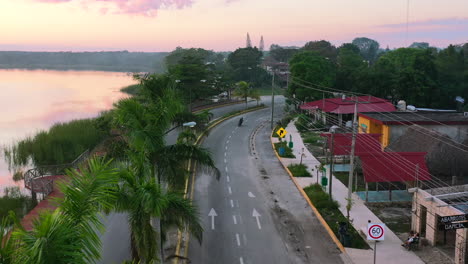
pixel 397 217
pixel 290 231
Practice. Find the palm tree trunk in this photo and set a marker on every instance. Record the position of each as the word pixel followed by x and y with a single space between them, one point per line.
pixel 133 247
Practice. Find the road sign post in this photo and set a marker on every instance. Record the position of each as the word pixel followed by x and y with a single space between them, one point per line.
pixel 376 232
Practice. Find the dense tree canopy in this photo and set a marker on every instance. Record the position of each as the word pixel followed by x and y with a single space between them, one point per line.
pixel 422 76
pixel 282 54
pixel 310 67
pixel 322 47
pixel 245 66
pixel 369 48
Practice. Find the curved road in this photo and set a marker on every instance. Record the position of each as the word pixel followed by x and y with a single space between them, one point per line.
pixel 254 213
pixel 116 238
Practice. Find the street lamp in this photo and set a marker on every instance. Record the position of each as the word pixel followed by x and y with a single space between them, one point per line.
pixel 187 124
pixel 190 124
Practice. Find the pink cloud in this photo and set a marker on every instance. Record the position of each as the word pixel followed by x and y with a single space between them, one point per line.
pixel 135 7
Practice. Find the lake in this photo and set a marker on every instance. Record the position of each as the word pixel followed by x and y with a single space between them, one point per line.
pixel 33 100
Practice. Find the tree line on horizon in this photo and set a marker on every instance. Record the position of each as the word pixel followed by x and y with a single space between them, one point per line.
pixel 421 75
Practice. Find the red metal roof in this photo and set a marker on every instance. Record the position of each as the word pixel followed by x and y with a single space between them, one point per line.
pixel 346 106
pixel 394 166
pixel 364 143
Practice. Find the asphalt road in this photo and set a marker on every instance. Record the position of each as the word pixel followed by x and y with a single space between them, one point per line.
pixel 116 238
pixel 254 213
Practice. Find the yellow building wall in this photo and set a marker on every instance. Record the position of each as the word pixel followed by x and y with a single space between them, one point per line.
pixel 375 128
pixel 385 136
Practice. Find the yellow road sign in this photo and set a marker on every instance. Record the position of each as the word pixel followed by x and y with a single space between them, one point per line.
pixel 281 132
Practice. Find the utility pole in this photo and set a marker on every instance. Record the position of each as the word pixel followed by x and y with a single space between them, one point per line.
pixel 331 164
pixel 353 147
pixel 272 97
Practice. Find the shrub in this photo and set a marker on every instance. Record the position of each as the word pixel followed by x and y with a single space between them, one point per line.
pixel 332 215
pixel 302 123
pixel 311 138
pixel 14 200
pixel 299 170
pixel 288 153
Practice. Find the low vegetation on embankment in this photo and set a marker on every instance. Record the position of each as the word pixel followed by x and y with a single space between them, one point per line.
pixel 14 200
pixel 62 143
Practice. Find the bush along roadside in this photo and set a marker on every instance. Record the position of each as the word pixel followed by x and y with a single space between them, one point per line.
pixel 299 170
pixel 287 150
pixel 329 210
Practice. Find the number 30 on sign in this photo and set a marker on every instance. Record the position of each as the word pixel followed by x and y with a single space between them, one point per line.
pixel 375 231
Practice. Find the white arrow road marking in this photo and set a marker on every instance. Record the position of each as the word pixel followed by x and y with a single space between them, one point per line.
pixel 229 189
pixel 235 219
pixel 212 214
pixel 251 195
pixel 257 215
pixel 241 260
pixel 232 203
pixel 238 240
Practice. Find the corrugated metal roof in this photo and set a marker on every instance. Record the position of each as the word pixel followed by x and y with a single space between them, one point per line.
pixel 346 106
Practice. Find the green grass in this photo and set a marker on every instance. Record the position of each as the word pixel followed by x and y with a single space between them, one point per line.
pixel 14 201
pixel 131 89
pixel 332 215
pixel 61 144
pixel 267 91
pixel 313 138
pixel 288 153
pixel 299 170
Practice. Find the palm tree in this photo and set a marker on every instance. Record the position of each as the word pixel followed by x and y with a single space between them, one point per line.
pixel 6 245
pixel 69 234
pixel 143 199
pixel 243 90
pixel 255 94
pixel 143 122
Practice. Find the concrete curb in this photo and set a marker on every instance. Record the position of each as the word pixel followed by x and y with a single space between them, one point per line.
pixel 192 177
pixel 314 209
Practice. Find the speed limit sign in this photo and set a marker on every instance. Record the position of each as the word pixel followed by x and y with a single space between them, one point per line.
pixel 375 231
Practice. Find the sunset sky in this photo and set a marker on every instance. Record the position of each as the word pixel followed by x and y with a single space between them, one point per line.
pixel 221 25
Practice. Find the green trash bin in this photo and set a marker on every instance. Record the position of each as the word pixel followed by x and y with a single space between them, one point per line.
pixel 291 144
pixel 324 181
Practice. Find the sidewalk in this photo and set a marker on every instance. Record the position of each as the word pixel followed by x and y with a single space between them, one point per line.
pixel 389 251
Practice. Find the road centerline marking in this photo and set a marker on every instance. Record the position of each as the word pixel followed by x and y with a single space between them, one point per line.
pixel 228 179
pixel 241 260
pixel 235 219
pixel 238 240
pixel 251 195
pixel 226 169
pixel 232 203
pixel 229 189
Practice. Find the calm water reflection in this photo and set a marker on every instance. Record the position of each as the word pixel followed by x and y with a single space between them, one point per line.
pixel 35 100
